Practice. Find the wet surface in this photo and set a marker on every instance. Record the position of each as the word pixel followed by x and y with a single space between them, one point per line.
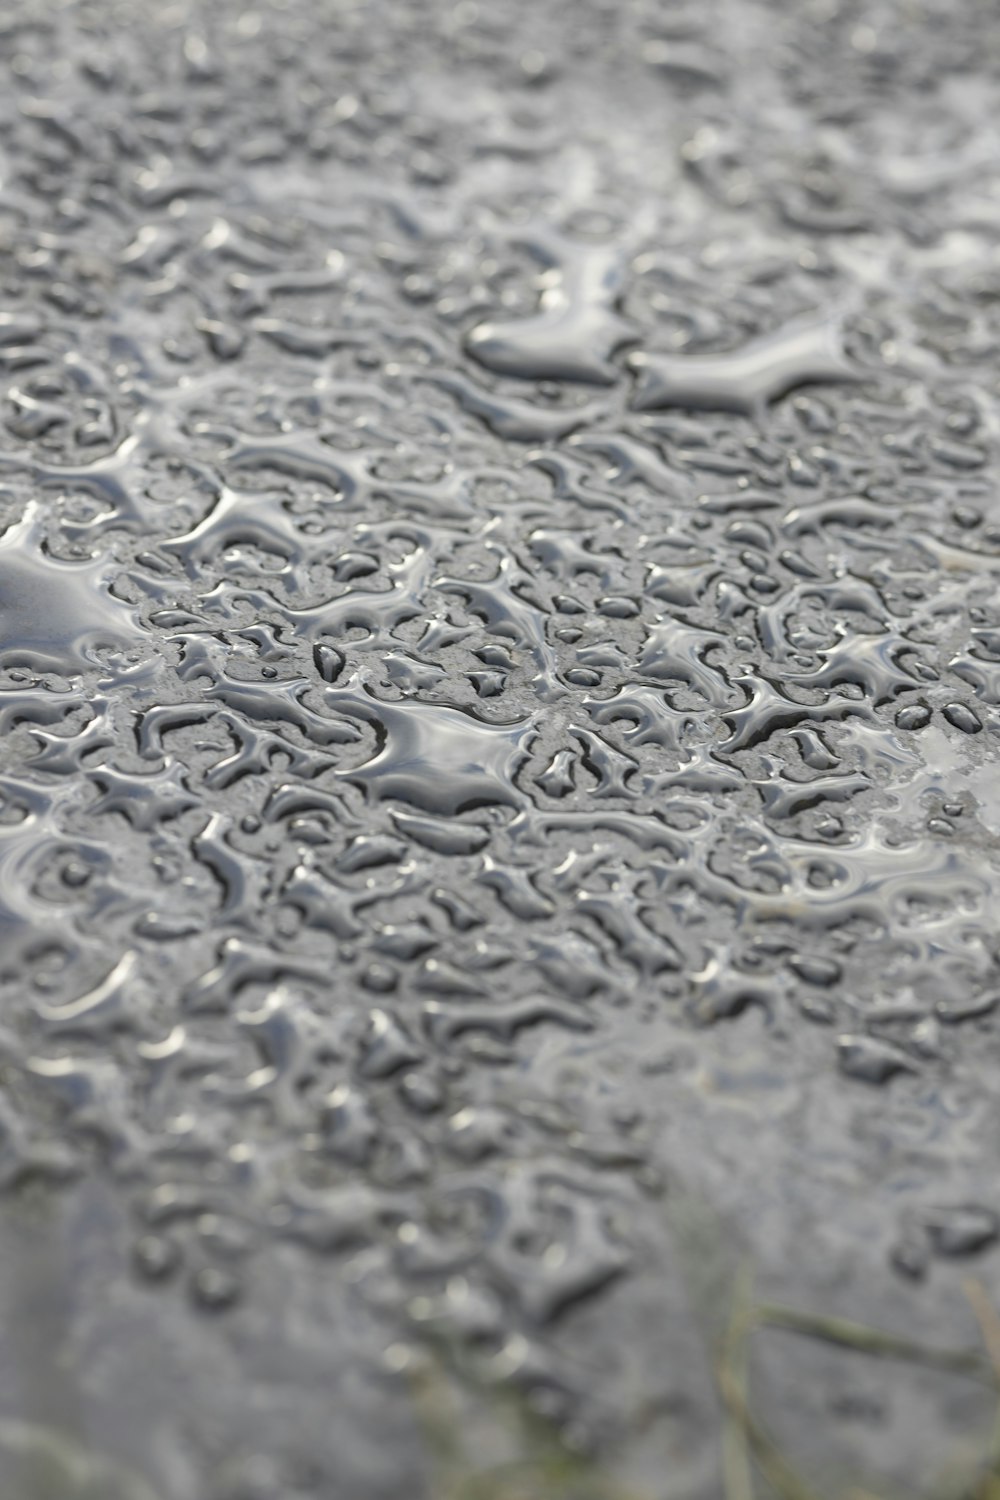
pixel 500 681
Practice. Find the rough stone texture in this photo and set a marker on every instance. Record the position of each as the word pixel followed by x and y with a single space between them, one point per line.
pixel 500 681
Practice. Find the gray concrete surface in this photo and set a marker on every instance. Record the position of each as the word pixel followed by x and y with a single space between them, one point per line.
pixel 500 686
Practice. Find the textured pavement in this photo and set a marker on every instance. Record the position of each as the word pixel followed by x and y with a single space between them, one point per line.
pixel 500 691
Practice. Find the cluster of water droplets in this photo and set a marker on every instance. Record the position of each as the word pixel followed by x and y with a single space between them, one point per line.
pixel 462 653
